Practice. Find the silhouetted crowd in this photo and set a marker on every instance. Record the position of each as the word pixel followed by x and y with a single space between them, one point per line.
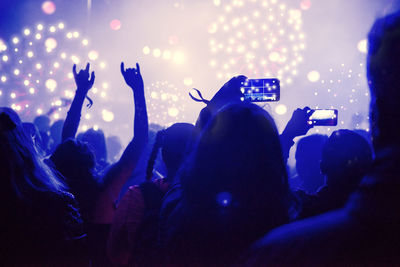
pixel 215 193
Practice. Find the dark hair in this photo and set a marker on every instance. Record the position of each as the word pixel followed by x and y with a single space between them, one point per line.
pixel 383 67
pixel 23 168
pixel 346 157
pixel 97 142
pixel 153 155
pixel 173 143
pixel 235 185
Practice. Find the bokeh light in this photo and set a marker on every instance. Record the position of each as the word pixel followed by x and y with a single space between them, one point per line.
pixel 165 103
pixel 257 39
pixel 346 89
pixel 115 24
pixel 40 70
pixel 48 7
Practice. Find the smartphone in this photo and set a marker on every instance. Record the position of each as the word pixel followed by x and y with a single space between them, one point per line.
pixel 323 117
pixel 260 90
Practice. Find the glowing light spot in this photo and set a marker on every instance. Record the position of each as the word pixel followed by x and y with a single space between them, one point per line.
pixel 363 46
pixel 69 35
pixel 50 43
pixel 305 4
pixel 13 95
pixel 85 42
pixel 75 59
pixel 156 52
pixel 16 72
pixel 178 57
pixel 274 56
pixel 107 115
pixel 63 55
pixel 3 79
pixel 224 199
pixel 15 40
pixel 188 81
pixel 31 90
pixel 38 36
pixel 313 76
pixel 95 127
pixel 102 65
pixel 48 7
pixel 146 50
pixel 217 2
pixel 5 58
pixel 173 112
pixel 52 29
pixel 76 34
pixel 56 116
pixel 27 32
pixel 167 54
pixel 56 65
pixel 115 24
pixel 26 82
pixel 280 109
pixel 30 54
pixel 51 84
pixel 38 66
pixel 39 111
pixel 105 85
pixel 93 55
pixel 61 25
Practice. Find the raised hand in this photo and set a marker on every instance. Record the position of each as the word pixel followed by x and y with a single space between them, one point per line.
pixel 83 80
pixel 298 125
pixel 133 78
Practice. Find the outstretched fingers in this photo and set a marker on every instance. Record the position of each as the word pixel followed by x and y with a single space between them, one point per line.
pixel 87 68
pixel 138 68
pixel 74 70
pixel 122 68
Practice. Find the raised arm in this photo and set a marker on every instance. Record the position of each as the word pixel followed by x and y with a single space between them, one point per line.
pixel 84 83
pixel 120 172
pixel 297 126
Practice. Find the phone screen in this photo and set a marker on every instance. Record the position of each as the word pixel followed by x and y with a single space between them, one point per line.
pixel 323 117
pixel 260 90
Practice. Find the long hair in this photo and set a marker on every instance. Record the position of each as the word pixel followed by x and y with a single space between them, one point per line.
pixel 23 168
pixel 235 185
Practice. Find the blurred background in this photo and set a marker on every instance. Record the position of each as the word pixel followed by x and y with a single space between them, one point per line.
pixel 316 48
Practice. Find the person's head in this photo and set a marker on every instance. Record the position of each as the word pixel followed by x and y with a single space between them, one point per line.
pixel 97 142
pixel 383 68
pixel 22 167
pixel 346 158
pixel 42 122
pixel 173 143
pixel 237 163
pixel 74 159
pixel 308 157
pixel 56 131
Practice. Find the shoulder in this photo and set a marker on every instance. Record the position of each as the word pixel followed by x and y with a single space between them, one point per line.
pixel 301 241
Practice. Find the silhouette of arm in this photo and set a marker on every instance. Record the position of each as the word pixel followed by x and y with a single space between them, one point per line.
pixel 83 85
pixel 297 126
pixel 120 172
